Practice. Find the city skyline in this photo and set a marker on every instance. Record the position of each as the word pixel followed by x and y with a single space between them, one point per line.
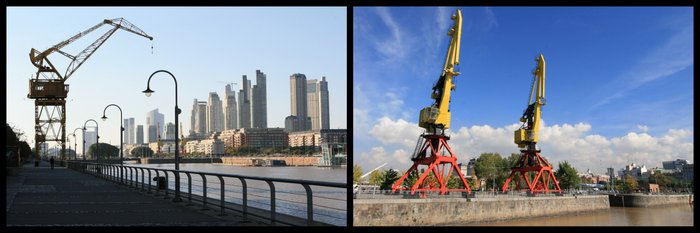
pixel 222 44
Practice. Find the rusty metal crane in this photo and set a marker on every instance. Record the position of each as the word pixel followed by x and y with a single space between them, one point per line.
pixel 48 88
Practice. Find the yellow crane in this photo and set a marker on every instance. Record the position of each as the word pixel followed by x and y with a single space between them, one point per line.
pixel 48 88
pixel 432 149
pixel 526 136
pixel 437 116
pixel 531 169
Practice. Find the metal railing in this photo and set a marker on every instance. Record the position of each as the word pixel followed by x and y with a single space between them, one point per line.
pixel 236 193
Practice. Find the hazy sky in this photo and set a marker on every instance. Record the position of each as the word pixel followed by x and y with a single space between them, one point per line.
pixel 204 47
pixel 618 82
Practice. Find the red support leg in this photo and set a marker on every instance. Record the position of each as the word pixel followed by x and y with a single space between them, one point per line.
pixel 436 162
pixel 541 181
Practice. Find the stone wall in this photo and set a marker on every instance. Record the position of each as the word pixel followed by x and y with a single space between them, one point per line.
pixel 459 211
pixel 635 200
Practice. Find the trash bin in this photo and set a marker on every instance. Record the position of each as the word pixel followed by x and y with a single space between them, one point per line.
pixel 36 163
pixel 160 182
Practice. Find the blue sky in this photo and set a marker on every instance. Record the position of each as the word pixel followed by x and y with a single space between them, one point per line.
pixel 618 88
pixel 204 47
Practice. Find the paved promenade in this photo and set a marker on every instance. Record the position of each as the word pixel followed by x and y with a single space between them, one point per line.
pixel 39 196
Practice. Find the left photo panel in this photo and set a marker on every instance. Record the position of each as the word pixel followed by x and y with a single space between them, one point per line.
pixel 177 116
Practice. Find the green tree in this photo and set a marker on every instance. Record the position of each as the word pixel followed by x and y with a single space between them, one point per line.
pixel 567 176
pixel 143 152
pixel 455 182
pixel 493 168
pixel 660 179
pixel 375 178
pixel 630 184
pixel 356 173
pixel 388 179
pixel 410 179
pixel 105 150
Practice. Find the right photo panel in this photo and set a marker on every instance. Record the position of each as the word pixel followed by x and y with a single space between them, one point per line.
pixel 522 116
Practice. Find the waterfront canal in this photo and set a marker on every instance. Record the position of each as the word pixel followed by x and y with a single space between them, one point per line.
pixel 330 204
pixel 674 215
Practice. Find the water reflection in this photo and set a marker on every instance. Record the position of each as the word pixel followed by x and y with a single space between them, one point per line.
pixel 675 215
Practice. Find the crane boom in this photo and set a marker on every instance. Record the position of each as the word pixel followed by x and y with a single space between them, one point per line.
pixel 527 135
pixel 437 116
pixel 37 57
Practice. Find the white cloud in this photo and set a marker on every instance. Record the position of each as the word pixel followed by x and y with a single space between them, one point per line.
pixel 399 132
pixel 643 128
pixel 392 47
pixel 565 142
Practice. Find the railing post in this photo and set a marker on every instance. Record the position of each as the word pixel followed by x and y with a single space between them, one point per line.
pixel 149 180
pixel 309 205
pixel 167 184
pixel 157 189
pixel 204 191
pixel 272 201
pixel 142 176
pixel 189 188
pixel 245 196
pixel 223 197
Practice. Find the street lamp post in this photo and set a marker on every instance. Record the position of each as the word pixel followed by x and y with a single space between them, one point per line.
pixel 97 139
pixel 76 143
pixel 121 135
pixel 148 92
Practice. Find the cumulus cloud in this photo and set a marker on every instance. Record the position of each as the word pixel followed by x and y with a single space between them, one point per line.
pixel 565 142
pixel 399 132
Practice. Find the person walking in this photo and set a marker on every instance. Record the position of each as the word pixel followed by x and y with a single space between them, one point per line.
pixel 51 161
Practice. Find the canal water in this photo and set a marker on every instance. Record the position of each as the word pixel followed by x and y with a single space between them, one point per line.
pixel 330 204
pixel 674 215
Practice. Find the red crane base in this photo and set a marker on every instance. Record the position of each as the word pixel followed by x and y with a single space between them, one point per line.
pixel 531 161
pixel 436 162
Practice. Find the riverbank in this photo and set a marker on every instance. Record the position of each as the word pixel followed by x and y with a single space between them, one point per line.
pixel 289 161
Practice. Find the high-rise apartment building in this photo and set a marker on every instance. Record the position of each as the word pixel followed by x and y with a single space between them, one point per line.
pixel 132 131
pixel 317 103
pixel 170 131
pixel 215 114
pixel 244 102
pixel 152 133
pixel 259 108
pixel 198 118
pixel 139 134
pixel 90 138
pixel 230 109
pixel 157 120
pixel 298 98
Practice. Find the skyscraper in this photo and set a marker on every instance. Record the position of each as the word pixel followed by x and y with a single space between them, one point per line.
pixel 260 100
pixel 126 131
pixel 298 100
pixel 152 133
pixel 317 103
pixel 244 110
pixel 132 131
pixel 170 131
pixel 198 118
pixel 325 111
pixel 155 119
pixel 230 109
pixel 139 134
pixel 215 114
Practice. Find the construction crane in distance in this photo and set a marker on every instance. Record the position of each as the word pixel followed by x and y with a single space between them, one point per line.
pixel 48 88
pixel 435 119
pixel 531 168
